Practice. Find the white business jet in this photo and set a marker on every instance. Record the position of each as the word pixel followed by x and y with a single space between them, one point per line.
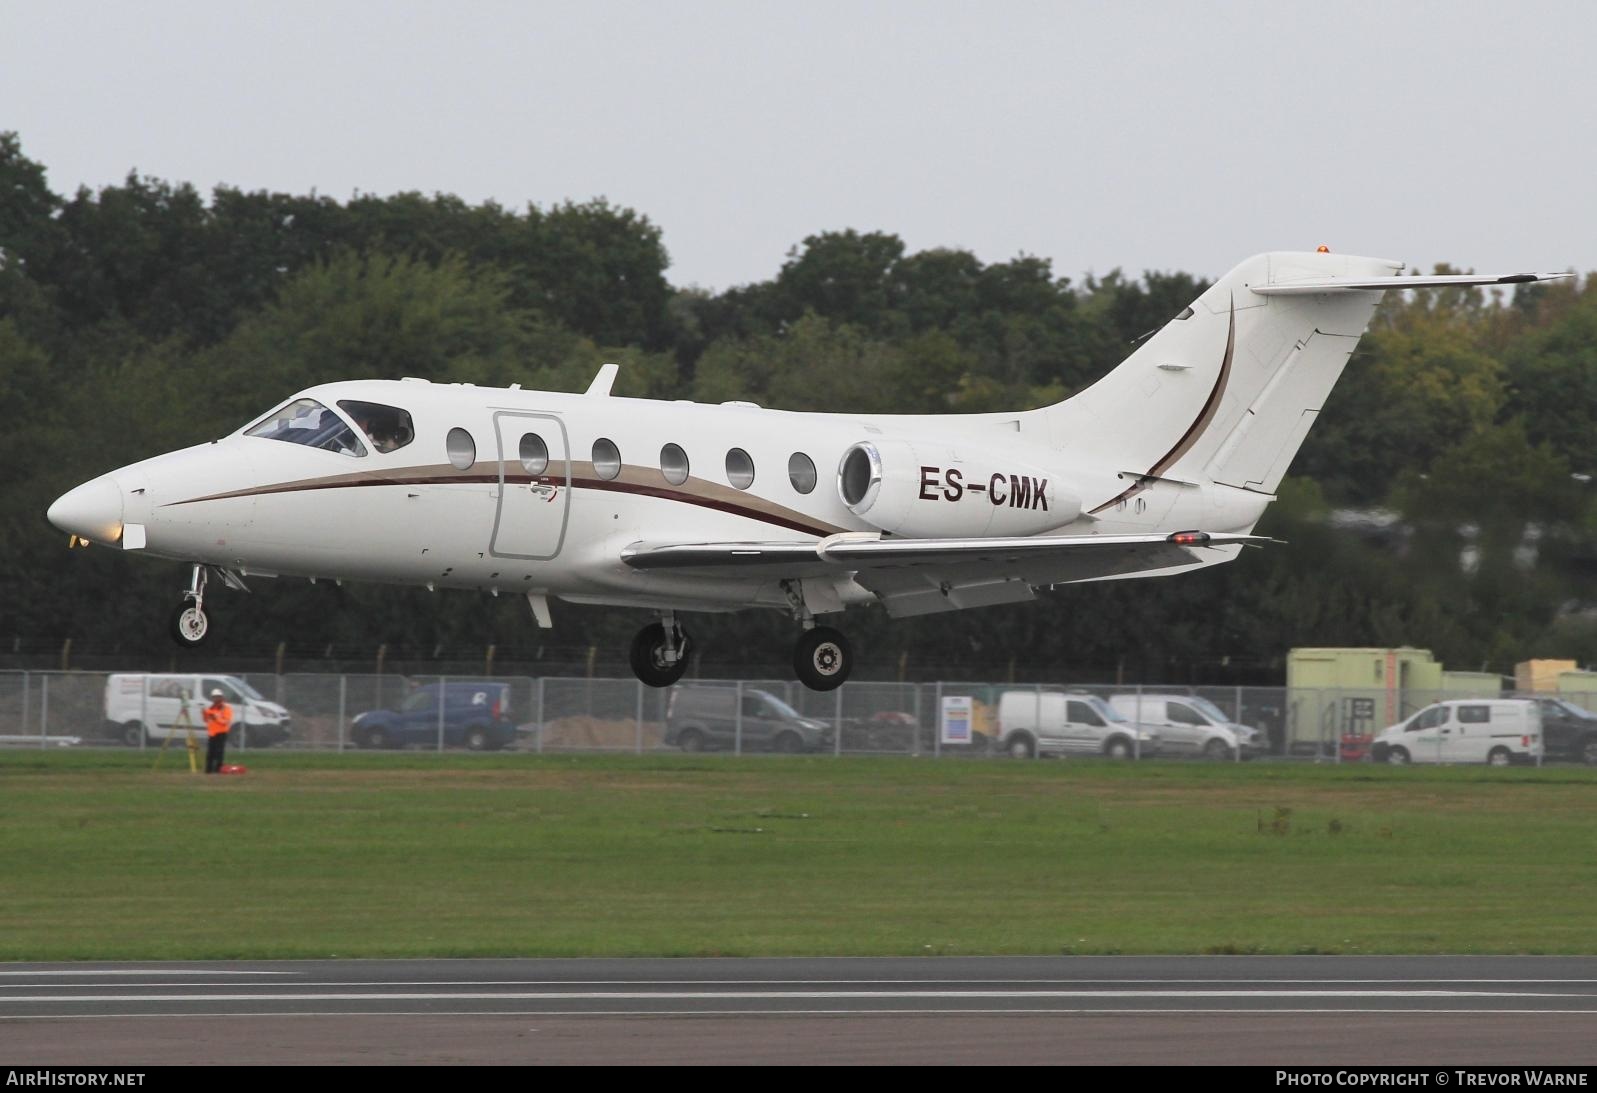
pixel 1164 465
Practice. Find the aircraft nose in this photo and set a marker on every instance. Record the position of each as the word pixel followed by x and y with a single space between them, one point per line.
pixel 92 511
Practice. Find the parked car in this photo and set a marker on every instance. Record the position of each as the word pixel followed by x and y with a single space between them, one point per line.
pixel 1471 730
pixel 701 718
pixel 1569 733
pixel 1191 726
pixel 475 715
pixel 142 707
pixel 1033 722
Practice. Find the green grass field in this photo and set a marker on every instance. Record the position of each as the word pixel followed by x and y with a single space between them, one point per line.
pixel 413 855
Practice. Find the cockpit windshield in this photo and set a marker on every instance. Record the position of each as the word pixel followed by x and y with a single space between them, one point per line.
pixel 387 427
pixel 306 421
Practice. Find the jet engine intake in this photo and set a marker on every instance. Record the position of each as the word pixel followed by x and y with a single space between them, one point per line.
pixel 927 490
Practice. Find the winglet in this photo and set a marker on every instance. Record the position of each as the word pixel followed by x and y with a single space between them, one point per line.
pixel 600 387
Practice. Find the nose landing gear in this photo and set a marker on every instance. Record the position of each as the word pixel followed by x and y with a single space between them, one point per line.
pixel 660 652
pixel 190 625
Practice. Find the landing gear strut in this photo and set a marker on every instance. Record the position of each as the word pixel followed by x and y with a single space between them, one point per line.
pixel 190 624
pixel 822 659
pixel 660 652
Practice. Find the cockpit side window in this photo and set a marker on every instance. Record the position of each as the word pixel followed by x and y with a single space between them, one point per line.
pixel 387 427
pixel 306 421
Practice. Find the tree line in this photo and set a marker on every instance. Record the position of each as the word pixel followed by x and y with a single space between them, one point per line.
pixel 1444 500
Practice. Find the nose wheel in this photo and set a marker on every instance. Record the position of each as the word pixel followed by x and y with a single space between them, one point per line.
pixel 822 659
pixel 190 625
pixel 660 653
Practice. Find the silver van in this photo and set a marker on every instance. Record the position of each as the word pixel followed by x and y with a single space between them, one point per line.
pixel 1037 722
pixel 1191 726
pixel 700 718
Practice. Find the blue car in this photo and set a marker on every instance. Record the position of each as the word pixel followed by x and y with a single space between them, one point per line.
pixel 475 715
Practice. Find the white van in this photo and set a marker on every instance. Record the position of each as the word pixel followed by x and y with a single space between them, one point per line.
pixel 1498 731
pixel 1034 723
pixel 1189 725
pixel 150 707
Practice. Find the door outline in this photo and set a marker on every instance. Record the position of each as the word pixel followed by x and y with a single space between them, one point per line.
pixel 564 487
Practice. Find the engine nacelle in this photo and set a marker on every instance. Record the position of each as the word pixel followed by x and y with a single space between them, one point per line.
pixel 928 491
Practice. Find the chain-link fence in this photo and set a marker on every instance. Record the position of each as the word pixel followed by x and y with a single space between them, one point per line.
pixel 565 714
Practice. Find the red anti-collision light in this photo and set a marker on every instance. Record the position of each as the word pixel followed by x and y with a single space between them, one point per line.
pixel 1189 538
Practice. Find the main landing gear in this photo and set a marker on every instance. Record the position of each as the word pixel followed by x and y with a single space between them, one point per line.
pixel 190 624
pixel 822 659
pixel 660 652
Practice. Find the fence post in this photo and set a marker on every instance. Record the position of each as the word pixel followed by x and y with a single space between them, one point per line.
pixel 343 708
pixel 914 747
pixel 27 703
pixel 937 722
pixel 737 720
pixel 837 723
pixel 542 721
pixel 44 709
pixel 1136 736
pixel 638 747
pixel 442 686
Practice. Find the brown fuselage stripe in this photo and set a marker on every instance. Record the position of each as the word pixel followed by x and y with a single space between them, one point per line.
pixel 779 519
pixel 1195 430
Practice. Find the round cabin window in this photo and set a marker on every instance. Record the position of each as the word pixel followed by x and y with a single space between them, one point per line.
pixel 606 459
pixel 534 454
pixel 674 464
pixel 801 472
pixel 739 468
pixel 462 450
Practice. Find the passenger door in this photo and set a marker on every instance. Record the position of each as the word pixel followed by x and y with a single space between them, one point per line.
pixel 534 500
pixel 1186 727
pixel 1084 728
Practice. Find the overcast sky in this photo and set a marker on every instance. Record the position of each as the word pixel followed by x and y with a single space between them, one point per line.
pixel 1171 136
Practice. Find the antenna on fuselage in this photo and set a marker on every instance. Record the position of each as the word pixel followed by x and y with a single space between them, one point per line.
pixel 600 387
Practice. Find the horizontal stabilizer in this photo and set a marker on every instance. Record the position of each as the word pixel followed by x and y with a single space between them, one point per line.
pixel 1384 284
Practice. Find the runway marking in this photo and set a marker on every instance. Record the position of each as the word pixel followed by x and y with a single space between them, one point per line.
pixel 690 996
pixel 301 984
pixel 147 971
pixel 850 1013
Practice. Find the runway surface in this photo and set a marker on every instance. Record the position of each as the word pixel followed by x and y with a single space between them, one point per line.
pixel 1258 1010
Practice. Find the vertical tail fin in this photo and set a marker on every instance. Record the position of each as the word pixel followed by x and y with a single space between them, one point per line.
pixel 1227 390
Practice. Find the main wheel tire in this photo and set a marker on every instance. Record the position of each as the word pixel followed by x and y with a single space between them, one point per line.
pixel 1499 757
pixel 477 738
pixel 648 657
pixel 1216 750
pixel 132 734
pixel 1119 748
pixel 822 659
pixel 691 740
pixel 190 626
pixel 1398 757
pixel 1020 747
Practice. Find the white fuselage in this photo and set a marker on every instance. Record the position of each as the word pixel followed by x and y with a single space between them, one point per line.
pixel 263 506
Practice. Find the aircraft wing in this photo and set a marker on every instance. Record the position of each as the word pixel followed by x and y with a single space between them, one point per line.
pixel 919 576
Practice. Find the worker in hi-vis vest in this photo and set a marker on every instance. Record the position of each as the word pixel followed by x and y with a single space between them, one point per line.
pixel 218 720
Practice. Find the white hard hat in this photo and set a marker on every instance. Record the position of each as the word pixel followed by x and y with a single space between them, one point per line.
pixel 217 694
